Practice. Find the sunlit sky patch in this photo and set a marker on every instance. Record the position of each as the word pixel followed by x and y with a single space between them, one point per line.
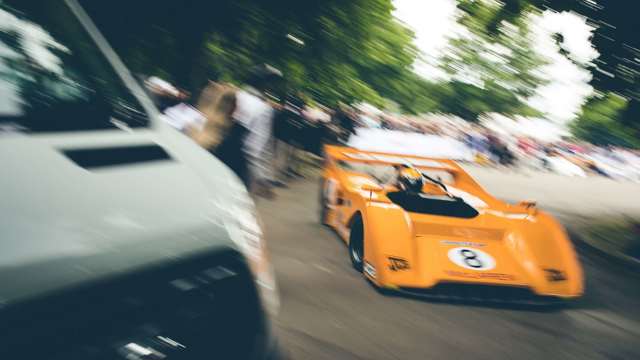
pixel 434 23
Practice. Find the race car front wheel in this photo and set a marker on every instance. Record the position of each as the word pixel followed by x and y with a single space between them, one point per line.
pixel 356 244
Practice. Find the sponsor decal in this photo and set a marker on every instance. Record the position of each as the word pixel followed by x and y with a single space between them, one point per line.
pixel 398 264
pixel 554 275
pixel 369 269
pixel 471 259
pixel 462 243
pixel 481 276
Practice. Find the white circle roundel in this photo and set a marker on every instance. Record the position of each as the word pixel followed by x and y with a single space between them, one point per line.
pixel 472 259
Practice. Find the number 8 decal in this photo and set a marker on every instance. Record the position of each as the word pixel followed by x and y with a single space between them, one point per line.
pixel 472 259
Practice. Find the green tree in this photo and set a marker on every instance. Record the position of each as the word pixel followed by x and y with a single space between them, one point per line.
pixel 488 15
pixel 353 50
pixel 598 122
pixel 617 71
pixel 491 70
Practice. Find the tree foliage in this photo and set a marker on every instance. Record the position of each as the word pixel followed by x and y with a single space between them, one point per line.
pixel 616 72
pixel 598 122
pixel 353 50
pixel 488 15
pixel 493 66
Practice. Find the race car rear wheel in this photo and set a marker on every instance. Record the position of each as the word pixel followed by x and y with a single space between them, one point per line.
pixel 356 243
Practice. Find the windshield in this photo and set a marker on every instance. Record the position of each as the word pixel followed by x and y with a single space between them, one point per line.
pixel 384 173
pixel 53 77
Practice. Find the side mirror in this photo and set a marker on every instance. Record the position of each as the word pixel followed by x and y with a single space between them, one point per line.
pixel 530 205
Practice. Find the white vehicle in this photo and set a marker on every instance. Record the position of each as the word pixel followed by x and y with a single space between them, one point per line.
pixel 562 166
pixel 121 239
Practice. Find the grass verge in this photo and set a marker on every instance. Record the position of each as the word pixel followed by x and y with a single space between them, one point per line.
pixel 619 237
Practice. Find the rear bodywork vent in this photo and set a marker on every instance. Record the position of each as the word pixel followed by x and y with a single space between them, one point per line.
pixel 432 205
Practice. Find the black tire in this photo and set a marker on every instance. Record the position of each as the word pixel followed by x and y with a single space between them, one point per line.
pixel 356 244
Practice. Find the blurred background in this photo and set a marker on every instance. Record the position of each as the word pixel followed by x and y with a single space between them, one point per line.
pixel 571 63
pixel 537 99
pixel 550 83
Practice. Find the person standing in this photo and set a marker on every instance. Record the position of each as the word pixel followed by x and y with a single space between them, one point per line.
pixel 288 129
pixel 255 113
pixel 221 134
pixel 343 117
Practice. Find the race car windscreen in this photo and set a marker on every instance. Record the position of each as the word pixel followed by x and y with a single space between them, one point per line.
pixel 52 75
pixel 443 205
pixel 384 173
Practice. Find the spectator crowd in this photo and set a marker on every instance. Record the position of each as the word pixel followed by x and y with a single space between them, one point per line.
pixel 263 137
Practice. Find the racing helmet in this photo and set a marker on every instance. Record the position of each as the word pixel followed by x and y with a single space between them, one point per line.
pixel 410 179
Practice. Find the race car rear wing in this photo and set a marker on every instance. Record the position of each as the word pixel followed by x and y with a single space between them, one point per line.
pixel 337 153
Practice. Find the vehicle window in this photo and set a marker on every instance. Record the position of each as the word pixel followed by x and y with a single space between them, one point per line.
pixel 53 77
pixel 441 175
pixel 383 173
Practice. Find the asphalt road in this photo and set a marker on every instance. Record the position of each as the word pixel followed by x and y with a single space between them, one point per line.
pixel 328 311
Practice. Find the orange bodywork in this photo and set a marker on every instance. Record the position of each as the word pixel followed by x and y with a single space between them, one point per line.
pixel 503 245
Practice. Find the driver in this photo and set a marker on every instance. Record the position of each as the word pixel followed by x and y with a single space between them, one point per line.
pixel 408 179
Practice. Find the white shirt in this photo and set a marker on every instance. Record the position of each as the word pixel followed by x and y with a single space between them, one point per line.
pixel 256 115
pixel 183 116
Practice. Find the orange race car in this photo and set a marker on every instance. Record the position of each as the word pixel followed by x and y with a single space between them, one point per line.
pixel 424 227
